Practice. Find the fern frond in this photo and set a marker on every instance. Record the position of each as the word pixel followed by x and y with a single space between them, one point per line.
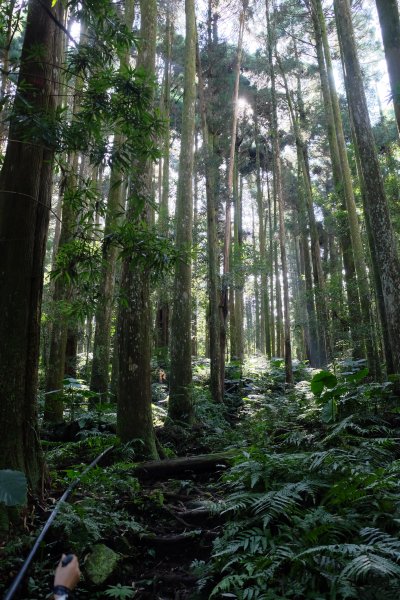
pixel 370 564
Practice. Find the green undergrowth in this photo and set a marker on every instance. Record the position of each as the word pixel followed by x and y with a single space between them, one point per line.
pixel 313 504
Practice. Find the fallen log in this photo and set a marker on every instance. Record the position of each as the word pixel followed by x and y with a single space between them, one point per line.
pixel 177 538
pixel 204 463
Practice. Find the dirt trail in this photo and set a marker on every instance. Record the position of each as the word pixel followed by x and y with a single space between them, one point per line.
pixel 182 530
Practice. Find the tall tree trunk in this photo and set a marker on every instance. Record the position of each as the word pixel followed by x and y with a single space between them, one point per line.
pixel 271 272
pixel 163 303
pixel 309 288
pixel 25 203
pixel 213 345
pixel 228 218
pixel 389 19
pixel 115 210
pixel 134 416
pixel 239 277
pixel 319 277
pixel 265 321
pixel 358 289
pixel 63 291
pixel 383 238
pixel 180 406
pixel 280 202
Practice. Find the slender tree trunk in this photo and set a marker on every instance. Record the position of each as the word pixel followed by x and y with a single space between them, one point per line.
pixel 309 288
pixel 228 218
pixel 265 321
pixel 163 303
pixel 389 19
pixel 213 328
pixel 354 256
pixel 271 272
pixel 383 238
pixel 115 210
pixel 281 209
pixel 134 416
pixel 25 203
pixel 180 406
pixel 63 290
pixel 239 277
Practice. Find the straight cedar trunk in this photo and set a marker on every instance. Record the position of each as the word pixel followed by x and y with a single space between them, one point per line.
pixel 134 414
pixel 278 193
pixel 163 303
pixel 256 290
pixel 343 227
pixel 358 287
pixel 319 276
pixel 271 271
pixel 376 207
pixel 213 328
pixel 239 278
pixel 63 289
pixel 229 191
pixel 308 280
pixel 389 19
pixel 25 203
pixel 265 320
pixel 232 257
pixel 115 209
pixel 54 404
pixel 375 267
pixel 180 407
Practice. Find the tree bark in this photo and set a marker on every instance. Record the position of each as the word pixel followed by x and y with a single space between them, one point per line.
pixel 354 256
pixel 228 211
pixel 163 303
pixel 376 207
pixel 25 202
pixel 213 325
pixel 277 166
pixel 180 406
pixel 389 19
pixel 115 210
pixel 134 415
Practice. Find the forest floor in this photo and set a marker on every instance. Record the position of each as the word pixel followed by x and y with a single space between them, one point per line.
pixel 280 493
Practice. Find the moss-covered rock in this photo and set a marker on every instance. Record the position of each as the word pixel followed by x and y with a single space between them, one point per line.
pixel 101 564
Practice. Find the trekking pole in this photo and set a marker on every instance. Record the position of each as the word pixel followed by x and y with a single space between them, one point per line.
pixel 18 580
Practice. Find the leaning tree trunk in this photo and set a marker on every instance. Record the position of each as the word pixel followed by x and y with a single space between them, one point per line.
pixel 134 416
pixel 376 206
pixel 389 19
pixel 354 255
pixel 180 406
pixel 25 202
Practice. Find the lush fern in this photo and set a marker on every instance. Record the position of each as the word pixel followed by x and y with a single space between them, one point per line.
pixel 314 509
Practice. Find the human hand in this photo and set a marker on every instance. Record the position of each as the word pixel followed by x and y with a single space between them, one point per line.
pixel 69 575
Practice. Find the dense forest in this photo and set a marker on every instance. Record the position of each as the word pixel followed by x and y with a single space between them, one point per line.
pixel 200 297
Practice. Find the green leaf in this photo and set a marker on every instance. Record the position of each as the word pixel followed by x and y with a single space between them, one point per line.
pixel 357 377
pixel 13 487
pixel 329 411
pixel 321 380
pixel 53 3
